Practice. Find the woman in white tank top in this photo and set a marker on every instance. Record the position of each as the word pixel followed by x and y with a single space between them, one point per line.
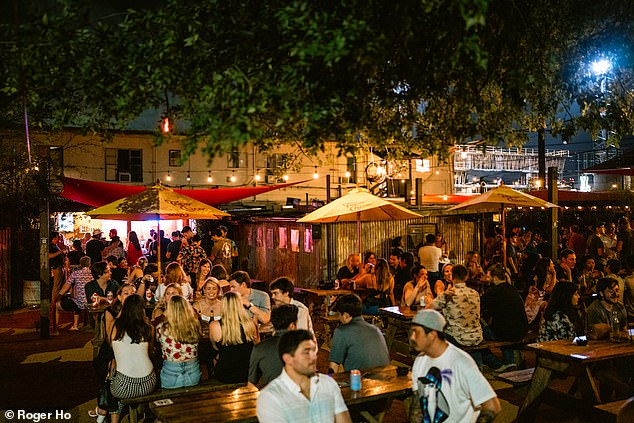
pixel 132 337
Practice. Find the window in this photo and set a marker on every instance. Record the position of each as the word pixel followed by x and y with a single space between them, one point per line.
pixel 175 158
pixel 124 165
pixel 235 159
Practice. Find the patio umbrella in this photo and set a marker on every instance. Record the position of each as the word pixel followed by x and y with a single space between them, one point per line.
pixel 358 206
pixel 497 200
pixel 157 203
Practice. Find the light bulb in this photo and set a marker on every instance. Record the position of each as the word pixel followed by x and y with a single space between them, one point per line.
pixel 165 126
pixel 258 177
pixel 285 177
pixel 168 177
pixel 347 174
pixel 315 174
pixel 188 177
pixel 233 177
pixel 209 178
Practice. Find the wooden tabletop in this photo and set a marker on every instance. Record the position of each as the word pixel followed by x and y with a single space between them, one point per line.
pixel 593 352
pixel 239 405
pixel 325 292
pixel 401 313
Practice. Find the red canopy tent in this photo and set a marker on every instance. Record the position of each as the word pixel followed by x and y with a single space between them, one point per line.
pixel 97 194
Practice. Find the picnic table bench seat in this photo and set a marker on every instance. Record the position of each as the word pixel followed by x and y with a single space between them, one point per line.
pixel 517 378
pixel 137 405
pixel 501 344
pixel 607 412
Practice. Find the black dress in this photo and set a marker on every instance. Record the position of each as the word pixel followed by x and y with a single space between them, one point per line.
pixel 233 361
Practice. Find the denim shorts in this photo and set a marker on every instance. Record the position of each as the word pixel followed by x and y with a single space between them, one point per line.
pixel 177 374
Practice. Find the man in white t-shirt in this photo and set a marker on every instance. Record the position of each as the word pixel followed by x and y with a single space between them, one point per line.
pixel 282 290
pixel 299 393
pixel 429 256
pixel 447 384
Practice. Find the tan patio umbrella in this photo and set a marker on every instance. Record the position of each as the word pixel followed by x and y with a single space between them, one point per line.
pixel 157 203
pixel 497 200
pixel 358 206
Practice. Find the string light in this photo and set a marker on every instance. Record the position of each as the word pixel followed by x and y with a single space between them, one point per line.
pixel 209 178
pixel 257 177
pixel 168 177
pixel 348 174
pixel 315 174
pixel 188 177
pixel 233 176
pixel 437 172
pixel 285 177
pixel 165 125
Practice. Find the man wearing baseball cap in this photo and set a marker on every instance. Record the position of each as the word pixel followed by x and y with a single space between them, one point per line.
pixel 447 384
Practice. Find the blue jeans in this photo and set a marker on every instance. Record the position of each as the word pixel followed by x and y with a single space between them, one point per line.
pixel 177 374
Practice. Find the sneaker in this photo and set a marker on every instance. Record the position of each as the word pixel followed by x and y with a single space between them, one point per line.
pixel 505 367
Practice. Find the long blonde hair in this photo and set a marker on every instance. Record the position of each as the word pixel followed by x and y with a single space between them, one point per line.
pixel 182 324
pixel 383 276
pixel 235 319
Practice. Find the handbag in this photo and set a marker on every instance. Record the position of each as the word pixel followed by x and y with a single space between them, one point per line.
pixel 105 399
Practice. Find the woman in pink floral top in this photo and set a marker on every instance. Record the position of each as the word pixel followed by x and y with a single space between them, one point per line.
pixel 178 337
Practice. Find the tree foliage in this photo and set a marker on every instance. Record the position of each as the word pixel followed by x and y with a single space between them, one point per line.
pixel 407 76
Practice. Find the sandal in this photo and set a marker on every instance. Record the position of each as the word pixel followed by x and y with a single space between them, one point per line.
pixel 95 413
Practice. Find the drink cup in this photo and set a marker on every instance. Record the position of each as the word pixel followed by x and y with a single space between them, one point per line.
pixel 110 297
pixel 95 299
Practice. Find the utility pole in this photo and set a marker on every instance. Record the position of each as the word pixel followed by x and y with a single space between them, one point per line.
pixel 45 271
pixel 553 197
pixel 541 157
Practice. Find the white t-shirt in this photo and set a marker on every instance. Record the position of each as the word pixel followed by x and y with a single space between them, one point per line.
pixel 303 316
pixel 282 401
pixel 454 385
pixel 429 256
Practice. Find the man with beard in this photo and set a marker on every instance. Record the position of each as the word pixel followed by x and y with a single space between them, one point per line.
pixel 299 393
pixel 599 314
pixel 447 385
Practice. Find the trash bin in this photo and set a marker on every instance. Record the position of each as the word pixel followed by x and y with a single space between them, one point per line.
pixel 31 293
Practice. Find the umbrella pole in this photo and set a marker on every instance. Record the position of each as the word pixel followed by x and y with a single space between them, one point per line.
pixel 503 221
pixel 359 232
pixel 158 249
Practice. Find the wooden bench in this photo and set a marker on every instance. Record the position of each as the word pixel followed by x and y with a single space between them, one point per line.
pixel 137 405
pixel 517 378
pixel 607 412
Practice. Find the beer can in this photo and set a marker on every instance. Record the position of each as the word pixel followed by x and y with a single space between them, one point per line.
pixel 355 380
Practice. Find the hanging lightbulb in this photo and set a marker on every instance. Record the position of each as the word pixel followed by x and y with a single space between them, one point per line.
pixel 347 174
pixel 315 174
pixel 188 177
pixel 209 178
pixel 168 177
pixel 233 176
pixel 257 177
pixel 285 177
pixel 165 125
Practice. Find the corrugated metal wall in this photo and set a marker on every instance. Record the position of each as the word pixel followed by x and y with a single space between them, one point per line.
pixel 261 243
pixel 5 267
pixel 341 238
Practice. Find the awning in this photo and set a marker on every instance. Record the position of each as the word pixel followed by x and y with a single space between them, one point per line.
pixel 97 194
pixel 591 198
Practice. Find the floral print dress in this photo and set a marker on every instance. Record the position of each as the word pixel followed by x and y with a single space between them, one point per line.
pixel 558 327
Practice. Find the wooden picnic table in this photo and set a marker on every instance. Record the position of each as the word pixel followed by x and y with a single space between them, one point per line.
pixel 581 362
pixel 239 405
pixel 398 318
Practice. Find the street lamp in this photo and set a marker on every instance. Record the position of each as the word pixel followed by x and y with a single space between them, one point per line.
pixel 601 66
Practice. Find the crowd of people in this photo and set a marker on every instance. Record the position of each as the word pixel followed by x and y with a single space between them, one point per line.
pixel 207 318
